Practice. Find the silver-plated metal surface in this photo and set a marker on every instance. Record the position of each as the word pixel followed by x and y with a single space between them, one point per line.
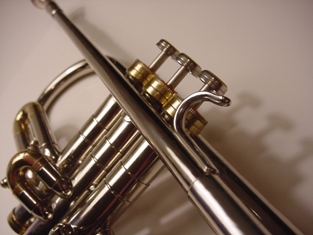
pixel 96 127
pixel 212 83
pixel 104 115
pixel 114 169
pixel 157 133
pixel 187 66
pixel 197 155
pixel 43 168
pixel 21 218
pixel 62 82
pixel 113 191
pixel 167 50
pixel 90 172
pixel 31 123
pixel 231 193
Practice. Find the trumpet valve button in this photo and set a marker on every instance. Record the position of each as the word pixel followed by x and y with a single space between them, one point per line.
pixel 212 83
pixel 167 50
pixel 188 65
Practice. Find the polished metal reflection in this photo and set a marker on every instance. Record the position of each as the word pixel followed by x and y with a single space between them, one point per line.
pixel 121 149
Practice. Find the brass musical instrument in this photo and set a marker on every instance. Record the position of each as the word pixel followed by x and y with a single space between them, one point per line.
pixel 144 125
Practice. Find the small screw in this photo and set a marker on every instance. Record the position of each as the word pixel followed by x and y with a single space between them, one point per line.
pixel 4 183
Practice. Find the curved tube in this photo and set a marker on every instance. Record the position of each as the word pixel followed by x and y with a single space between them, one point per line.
pixel 266 219
pixel 25 189
pixel 30 123
pixel 20 219
pixel 62 82
pixel 179 123
pixel 167 145
pixel 66 79
pixel 215 191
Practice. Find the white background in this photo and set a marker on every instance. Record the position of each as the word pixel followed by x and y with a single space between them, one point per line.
pixel 262 50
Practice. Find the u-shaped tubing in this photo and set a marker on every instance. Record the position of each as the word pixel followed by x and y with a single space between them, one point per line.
pixel 39 156
pixel 25 189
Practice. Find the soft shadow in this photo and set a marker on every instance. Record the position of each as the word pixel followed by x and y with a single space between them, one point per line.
pixel 246 152
pixel 274 176
pixel 221 122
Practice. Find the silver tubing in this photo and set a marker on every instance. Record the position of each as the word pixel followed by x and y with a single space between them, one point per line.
pixel 20 219
pixel 72 74
pixel 98 124
pixel 88 174
pixel 96 127
pixel 157 133
pixel 165 143
pixel 125 181
pixel 66 79
pixel 104 118
pixel 254 206
pixel 31 123
pixel 219 201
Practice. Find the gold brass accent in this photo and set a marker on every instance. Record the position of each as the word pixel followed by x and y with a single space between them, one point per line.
pixel 157 91
pixel 158 94
pixel 169 109
pixel 17 225
pixel 117 164
pixel 162 97
pixel 194 121
pixel 139 73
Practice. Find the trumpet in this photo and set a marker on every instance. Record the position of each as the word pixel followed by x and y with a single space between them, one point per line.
pixel 141 127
